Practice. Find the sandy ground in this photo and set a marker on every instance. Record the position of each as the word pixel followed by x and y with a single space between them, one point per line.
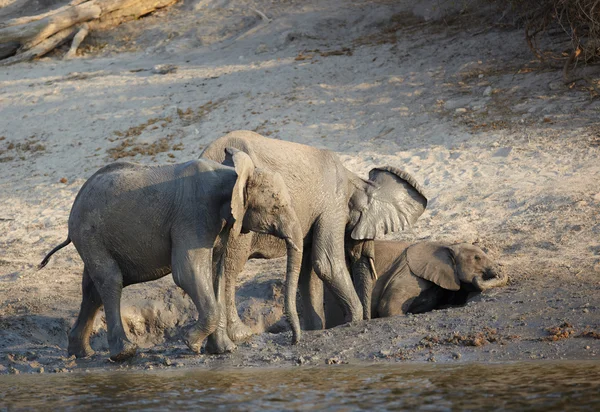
pixel 508 154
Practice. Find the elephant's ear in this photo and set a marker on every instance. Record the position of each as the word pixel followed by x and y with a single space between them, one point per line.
pixel 244 167
pixel 433 262
pixel 394 201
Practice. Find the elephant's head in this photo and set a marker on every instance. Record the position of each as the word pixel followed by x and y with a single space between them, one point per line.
pixel 260 202
pixel 391 200
pixel 453 265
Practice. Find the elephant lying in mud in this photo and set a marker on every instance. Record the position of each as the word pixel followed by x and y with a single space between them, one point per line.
pixel 416 278
pixel 330 204
pixel 133 223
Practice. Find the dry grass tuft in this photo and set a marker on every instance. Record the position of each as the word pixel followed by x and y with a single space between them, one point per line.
pixel 579 20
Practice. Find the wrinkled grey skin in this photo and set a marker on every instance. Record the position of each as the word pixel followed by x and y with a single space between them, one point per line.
pixel 132 223
pixel 330 203
pixel 428 276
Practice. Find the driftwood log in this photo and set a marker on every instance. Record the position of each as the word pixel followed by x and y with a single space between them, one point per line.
pixel 26 38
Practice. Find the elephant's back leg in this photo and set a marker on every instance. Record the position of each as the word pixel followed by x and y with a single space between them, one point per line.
pixel 311 292
pixel 79 337
pixel 400 294
pixel 427 300
pixel 107 277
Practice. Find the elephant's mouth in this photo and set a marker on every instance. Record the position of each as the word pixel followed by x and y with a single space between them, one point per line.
pixel 490 274
pixel 490 279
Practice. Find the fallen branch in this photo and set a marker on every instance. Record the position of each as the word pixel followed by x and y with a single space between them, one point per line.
pixel 32 36
pixel 83 31
pixel 262 15
pixel 68 18
pixel 8 49
pixel 131 10
pixel 41 48
pixel 28 19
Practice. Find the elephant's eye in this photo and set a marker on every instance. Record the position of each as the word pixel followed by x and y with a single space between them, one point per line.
pixel 477 257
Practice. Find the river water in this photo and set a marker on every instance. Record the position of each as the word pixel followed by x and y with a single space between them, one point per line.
pixel 520 386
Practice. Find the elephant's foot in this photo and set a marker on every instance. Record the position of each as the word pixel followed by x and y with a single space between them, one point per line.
pixel 194 338
pixel 355 313
pixel 80 350
pixel 219 343
pixel 238 331
pixel 123 352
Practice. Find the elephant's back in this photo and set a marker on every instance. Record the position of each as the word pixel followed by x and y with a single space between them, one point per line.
pixel 388 254
pixel 120 193
pixel 112 179
pixel 265 151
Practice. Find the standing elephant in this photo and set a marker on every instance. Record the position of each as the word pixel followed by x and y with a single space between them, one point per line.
pixel 421 277
pixel 133 223
pixel 331 203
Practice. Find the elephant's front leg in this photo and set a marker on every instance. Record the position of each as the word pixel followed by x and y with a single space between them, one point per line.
pixel 329 263
pixel 235 256
pixel 219 341
pixel 191 268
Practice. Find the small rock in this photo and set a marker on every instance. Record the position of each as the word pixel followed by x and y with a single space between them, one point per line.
pixel 487 91
pixel 333 361
pixel 41 369
pixel 167 362
pixel 586 347
pixel 431 359
pixel 461 110
pixel 71 364
pixel 164 69
pixel 456 355
pixel 262 48
pixel 13 370
pixel 63 180
pixel 586 310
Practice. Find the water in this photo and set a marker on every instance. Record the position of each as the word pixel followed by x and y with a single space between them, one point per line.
pixel 521 386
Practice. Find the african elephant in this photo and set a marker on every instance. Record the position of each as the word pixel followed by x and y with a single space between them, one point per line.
pixel 423 276
pixel 133 223
pixel 331 203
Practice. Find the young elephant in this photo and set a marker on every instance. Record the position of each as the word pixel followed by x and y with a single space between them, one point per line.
pixel 331 204
pixel 416 278
pixel 132 223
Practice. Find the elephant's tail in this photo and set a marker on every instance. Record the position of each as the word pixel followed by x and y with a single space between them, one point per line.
pixel 47 258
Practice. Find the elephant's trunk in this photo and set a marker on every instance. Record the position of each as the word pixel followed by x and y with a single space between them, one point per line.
pixel 294 244
pixel 491 279
pixel 362 267
pixel 364 274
